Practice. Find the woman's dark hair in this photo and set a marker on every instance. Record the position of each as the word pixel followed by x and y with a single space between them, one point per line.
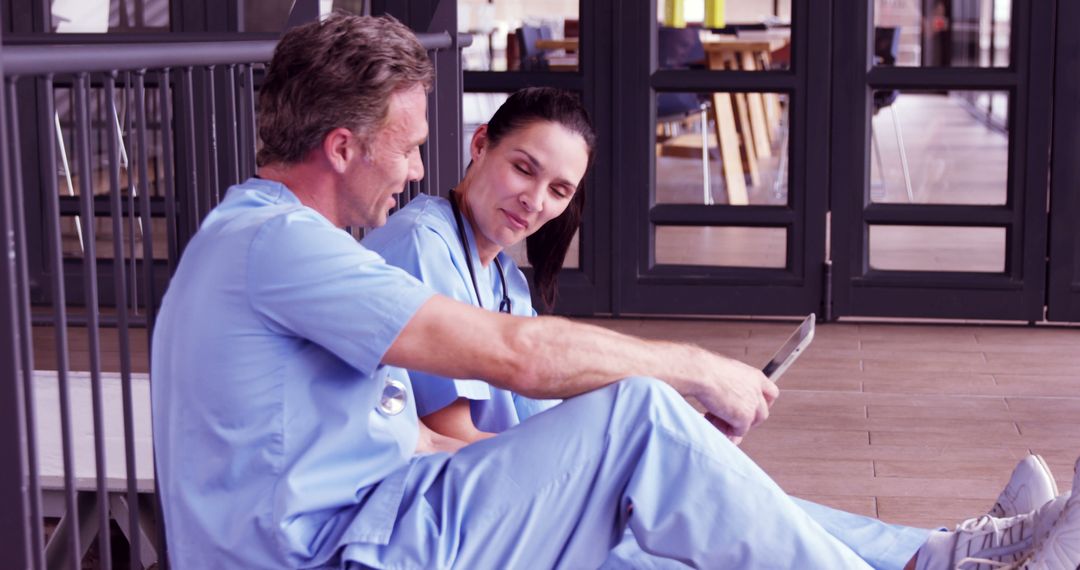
pixel 548 246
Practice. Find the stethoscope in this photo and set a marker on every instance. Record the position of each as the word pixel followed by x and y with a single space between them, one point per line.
pixel 395 396
pixel 505 306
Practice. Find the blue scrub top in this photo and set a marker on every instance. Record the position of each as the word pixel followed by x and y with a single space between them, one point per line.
pixel 422 238
pixel 272 448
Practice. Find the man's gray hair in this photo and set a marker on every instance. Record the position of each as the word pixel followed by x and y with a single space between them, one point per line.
pixel 340 72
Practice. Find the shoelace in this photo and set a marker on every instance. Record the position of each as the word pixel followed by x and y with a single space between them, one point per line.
pixel 995 563
pixel 990 524
pixel 1036 539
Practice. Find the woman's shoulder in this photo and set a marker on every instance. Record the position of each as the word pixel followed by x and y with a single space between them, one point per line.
pixel 427 211
pixel 422 218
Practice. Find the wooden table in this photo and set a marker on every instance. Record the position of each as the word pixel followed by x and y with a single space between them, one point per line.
pixel 746 123
pixel 568 62
pixel 568 44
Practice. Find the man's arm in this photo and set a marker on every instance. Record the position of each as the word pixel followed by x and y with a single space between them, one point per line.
pixel 550 357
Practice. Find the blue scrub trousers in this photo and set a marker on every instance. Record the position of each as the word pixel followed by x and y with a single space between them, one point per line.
pixel 559 491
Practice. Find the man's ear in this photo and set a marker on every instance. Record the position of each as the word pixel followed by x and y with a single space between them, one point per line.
pixel 479 142
pixel 339 148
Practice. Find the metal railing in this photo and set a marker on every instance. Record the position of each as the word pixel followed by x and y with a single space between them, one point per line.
pixel 95 219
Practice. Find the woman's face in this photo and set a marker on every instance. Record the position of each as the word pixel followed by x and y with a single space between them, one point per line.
pixel 523 182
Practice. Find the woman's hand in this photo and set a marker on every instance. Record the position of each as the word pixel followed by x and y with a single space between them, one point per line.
pixel 430 441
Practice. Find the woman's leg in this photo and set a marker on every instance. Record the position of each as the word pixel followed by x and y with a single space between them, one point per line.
pixel 559 490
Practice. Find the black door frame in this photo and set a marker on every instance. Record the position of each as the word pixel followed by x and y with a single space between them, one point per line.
pixel 1063 279
pixel 1018 293
pixel 643 286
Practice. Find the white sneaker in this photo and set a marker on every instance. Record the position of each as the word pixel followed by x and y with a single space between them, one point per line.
pixel 1061 549
pixel 1047 539
pixel 1030 487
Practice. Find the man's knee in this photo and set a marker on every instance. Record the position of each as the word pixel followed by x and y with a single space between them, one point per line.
pixel 646 388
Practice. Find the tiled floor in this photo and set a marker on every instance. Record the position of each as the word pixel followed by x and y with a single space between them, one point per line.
pixel 913 423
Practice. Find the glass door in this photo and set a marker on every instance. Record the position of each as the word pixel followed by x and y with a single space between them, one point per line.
pixel 939 162
pixel 722 154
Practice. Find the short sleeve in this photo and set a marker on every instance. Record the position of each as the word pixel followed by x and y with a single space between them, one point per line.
pixel 312 280
pixel 426 255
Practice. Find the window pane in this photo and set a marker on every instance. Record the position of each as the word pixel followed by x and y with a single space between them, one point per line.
pixel 929 148
pixel 937 248
pixel 974 33
pixel 748 166
pixel 750 35
pixel 724 246
pixel 519 35
pixel 108 16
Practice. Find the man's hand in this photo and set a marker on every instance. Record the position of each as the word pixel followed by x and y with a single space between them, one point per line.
pixel 737 396
pixel 430 441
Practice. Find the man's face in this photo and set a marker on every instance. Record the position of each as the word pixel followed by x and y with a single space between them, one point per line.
pixel 392 159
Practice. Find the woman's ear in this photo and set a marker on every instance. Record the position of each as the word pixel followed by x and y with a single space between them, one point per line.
pixel 479 143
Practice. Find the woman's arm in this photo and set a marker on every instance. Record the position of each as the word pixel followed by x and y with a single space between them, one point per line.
pixel 430 441
pixel 455 421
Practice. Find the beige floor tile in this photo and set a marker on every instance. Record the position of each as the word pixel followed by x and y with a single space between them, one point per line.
pixel 995 470
pixel 993 410
pixel 935 487
pixel 931 512
pixel 818 380
pixel 1033 335
pixel 789 405
pixel 943 437
pixel 865 506
pixel 922 382
pixel 776 466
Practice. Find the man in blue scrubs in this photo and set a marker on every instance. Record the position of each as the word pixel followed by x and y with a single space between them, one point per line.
pixel 285 431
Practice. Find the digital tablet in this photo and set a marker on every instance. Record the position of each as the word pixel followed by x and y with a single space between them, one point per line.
pixel 791 349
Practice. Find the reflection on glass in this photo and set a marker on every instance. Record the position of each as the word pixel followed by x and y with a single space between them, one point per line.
pixel 937 248
pixel 938 148
pixel 104 16
pixel 751 35
pixel 748 166
pixel 518 35
pixel 731 12
pixel 573 254
pixel 974 33
pixel 121 123
pixel 477 109
pixel 721 246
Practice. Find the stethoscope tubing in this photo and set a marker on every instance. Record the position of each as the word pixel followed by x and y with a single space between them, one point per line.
pixel 505 306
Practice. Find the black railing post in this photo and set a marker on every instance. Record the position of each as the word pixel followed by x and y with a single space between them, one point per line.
pixel 14 517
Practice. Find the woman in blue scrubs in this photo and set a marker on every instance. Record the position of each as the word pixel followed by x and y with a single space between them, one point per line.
pixel 524 184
